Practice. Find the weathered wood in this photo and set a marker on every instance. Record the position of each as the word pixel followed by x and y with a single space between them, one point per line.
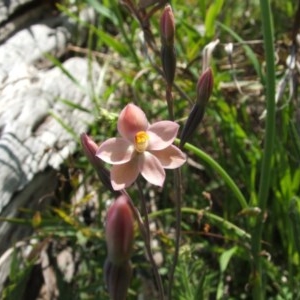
pixel 33 143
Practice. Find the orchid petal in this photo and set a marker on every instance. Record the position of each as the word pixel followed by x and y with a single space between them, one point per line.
pixel 162 134
pixel 115 151
pixel 151 169
pixel 131 120
pixel 171 157
pixel 124 175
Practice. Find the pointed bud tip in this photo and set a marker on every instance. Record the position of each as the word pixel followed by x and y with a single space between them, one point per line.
pixel 167 26
pixel 205 86
pixel 90 149
pixel 89 146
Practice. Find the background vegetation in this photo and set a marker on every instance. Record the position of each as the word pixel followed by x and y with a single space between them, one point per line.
pixel 216 256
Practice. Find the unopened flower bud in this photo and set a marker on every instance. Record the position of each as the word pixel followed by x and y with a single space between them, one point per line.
pixel 90 148
pixel 204 90
pixel 168 60
pixel 119 230
pixel 168 54
pixel 167 26
pixel 204 87
pixel 117 279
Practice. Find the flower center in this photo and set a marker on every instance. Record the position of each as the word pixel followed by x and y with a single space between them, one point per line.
pixel 141 141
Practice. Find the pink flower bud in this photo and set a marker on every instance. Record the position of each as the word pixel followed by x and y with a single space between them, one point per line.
pixel 117 279
pixel 205 87
pixel 204 90
pixel 90 148
pixel 119 231
pixel 167 26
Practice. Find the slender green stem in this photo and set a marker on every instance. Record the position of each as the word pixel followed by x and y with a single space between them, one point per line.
pixel 178 201
pixel 148 243
pixel 137 217
pixel 178 196
pixel 224 175
pixel 258 288
pixel 212 217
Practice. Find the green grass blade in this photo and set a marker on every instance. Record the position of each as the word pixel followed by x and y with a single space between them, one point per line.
pixel 210 18
pixel 68 128
pixel 266 167
pixel 218 169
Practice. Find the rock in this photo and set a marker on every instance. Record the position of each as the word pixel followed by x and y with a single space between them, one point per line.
pixel 17 15
pixel 39 128
pixel 32 139
pixel 9 7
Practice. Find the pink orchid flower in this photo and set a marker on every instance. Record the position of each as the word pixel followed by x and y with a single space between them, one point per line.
pixel 142 148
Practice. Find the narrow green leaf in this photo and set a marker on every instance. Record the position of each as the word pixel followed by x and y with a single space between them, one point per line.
pixel 225 258
pixel 57 63
pixel 294 214
pixel 210 19
pixel 68 128
pixel 224 261
pixel 112 42
pixel 103 11
pixel 74 105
